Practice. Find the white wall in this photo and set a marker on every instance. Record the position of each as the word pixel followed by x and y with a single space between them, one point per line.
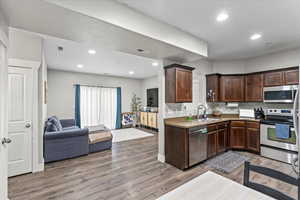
pixel 23 45
pixel 273 61
pixel 228 67
pixel 278 60
pixel 148 83
pixel 61 93
pixel 42 85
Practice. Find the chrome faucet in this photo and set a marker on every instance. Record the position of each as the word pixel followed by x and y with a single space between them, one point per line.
pixel 204 108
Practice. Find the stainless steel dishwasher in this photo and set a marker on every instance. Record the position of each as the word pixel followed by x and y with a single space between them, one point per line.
pixel 197 145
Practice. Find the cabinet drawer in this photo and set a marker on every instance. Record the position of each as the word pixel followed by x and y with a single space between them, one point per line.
pixel 238 123
pixel 253 125
pixel 222 125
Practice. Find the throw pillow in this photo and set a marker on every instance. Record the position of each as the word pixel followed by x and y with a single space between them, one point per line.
pixel 54 120
pixel 50 127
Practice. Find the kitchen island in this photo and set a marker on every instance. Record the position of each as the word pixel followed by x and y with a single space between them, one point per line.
pixel 188 143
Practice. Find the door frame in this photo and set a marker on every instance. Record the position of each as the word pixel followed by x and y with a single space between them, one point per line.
pixel 4 119
pixel 34 66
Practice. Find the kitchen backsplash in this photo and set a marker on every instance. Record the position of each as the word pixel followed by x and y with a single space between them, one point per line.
pixel 185 109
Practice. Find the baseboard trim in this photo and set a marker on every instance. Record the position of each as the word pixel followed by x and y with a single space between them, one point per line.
pixel 39 167
pixel 161 158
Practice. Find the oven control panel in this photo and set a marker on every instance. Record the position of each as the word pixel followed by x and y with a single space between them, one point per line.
pixel 282 112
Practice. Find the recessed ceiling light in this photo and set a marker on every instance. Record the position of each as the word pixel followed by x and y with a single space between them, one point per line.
pixel 222 17
pixel 80 66
pixel 131 72
pixel 155 64
pixel 92 51
pixel 255 36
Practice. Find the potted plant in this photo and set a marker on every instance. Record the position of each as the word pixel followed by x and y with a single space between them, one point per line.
pixel 135 107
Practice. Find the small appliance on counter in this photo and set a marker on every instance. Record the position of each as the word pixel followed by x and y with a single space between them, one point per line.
pixel 259 113
pixel 246 113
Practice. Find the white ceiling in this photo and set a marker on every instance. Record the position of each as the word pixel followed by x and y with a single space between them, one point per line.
pixel 277 20
pixel 45 18
pixel 103 62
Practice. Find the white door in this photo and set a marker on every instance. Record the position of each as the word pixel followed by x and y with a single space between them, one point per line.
pixel 20 91
pixel 3 122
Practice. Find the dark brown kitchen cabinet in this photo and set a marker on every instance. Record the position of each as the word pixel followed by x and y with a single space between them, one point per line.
pixel 291 77
pixel 273 78
pixel 253 142
pixel 176 146
pixel 254 87
pixel 212 144
pixel 222 140
pixel 253 136
pixel 232 88
pixel 213 88
pixel 178 83
pixel 237 137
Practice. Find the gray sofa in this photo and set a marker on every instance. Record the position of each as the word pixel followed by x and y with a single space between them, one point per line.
pixel 67 142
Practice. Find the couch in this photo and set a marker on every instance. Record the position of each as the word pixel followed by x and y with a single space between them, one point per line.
pixel 63 140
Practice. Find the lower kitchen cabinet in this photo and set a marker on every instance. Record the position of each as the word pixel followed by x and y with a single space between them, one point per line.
pixel 245 136
pixel 237 137
pixel 212 144
pixel 222 140
pixel 253 139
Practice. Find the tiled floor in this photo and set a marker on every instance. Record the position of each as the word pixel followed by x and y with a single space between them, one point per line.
pixel 129 171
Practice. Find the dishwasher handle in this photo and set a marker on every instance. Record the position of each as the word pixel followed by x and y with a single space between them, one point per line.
pixel 199 131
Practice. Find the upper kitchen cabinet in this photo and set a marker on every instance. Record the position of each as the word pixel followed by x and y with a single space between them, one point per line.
pixel 291 77
pixel 254 87
pixel 213 88
pixel 179 84
pixel 273 78
pixel 232 88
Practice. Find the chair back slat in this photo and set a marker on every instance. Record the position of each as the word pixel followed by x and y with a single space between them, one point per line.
pixel 273 174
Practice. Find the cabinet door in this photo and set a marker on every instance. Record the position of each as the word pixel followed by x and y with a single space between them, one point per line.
pixel 184 85
pixel 253 139
pixel 152 122
pixel 291 77
pixel 222 139
pixel 237 137
pixel 212 144
pixel 212 88
pixel 144 119
pixel 232 88
pixel 273 78
pixel 254 87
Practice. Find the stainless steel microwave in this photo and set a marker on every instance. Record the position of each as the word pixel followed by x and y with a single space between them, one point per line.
pixel 280 94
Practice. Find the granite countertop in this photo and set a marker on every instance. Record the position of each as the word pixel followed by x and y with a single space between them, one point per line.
pixel 181 122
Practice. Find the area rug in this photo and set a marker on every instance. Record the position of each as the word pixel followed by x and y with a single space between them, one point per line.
pixel 227 162
pixel 128 134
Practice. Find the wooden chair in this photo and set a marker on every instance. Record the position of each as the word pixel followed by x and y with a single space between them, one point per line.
pixel 273 174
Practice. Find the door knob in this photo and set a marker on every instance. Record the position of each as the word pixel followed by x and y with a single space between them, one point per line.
pixel 28 125
pixel 6 141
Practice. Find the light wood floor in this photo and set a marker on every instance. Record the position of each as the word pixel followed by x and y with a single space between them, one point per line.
pixel 129 171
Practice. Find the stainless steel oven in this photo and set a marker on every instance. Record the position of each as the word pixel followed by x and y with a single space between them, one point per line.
pixel 280 94
pixel 284 150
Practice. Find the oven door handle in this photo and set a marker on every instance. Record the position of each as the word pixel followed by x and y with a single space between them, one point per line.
pixel 295 114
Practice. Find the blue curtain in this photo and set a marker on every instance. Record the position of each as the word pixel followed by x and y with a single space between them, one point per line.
pixel 119 108
pixel 77 105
